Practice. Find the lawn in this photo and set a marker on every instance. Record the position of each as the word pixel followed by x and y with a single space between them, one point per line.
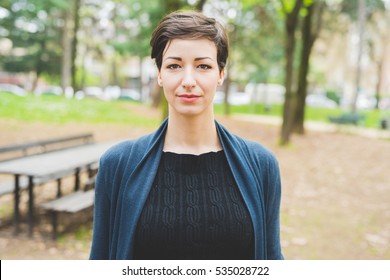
pixel 58 109
pixel 373 117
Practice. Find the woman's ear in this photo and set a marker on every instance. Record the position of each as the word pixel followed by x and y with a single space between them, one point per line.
pixel 221 77
pixel 159 80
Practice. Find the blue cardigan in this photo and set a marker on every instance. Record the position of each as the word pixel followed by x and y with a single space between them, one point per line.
pixel 126 174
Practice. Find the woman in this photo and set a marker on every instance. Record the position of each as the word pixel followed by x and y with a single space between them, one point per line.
pixel 190 190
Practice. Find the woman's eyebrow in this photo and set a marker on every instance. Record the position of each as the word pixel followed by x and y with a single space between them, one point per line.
pixel 180 59
pixel 202 58
pixel 174 58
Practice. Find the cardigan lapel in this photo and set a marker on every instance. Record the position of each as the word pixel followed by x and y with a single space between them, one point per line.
pixel 249 183
pixel 136 190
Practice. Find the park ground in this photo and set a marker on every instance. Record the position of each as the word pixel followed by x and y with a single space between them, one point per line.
pixel 335 201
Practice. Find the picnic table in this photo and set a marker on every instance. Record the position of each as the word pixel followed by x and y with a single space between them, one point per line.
pixel 52 165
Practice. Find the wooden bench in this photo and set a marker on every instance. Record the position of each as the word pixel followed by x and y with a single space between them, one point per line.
pixel 11 152
pixel 51 166
pixel 71 203
pixel 43 146
pixel 348 118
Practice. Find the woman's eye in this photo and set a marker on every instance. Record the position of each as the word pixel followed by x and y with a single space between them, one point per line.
pixel 204 66
pixel 173 66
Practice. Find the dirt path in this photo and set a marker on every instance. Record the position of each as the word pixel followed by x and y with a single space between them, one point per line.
pixel 335 203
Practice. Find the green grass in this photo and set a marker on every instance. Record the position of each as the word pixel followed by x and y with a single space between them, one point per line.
pixel 55 109
pixel 373 117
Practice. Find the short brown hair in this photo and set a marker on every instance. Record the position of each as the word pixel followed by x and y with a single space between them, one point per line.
pixel 189 25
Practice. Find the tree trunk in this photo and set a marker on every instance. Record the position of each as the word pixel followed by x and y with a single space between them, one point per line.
pixel 307 43
pixel 199 5
pixel 380 62
pixel 291 24
pixel 35 81
pixel 289 102
pixel 38 69
pixel 361 24
pixel 66 53
pixel 114 80
pixel 172 5
pixel 83 71
pixel 380 77
pixel 76 25
pixel 226 86
pixel 114 72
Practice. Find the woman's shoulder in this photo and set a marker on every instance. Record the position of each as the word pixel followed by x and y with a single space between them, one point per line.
pixel 257 151
pixel 260 158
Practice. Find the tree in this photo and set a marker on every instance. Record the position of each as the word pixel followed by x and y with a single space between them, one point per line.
pixel 254 55
pixel 74 42
pixel 310 29
pixel 378 42
pixel 361 24
pixel 66 43
pixel 34 30
pixel 260 42
pixel 361 12
pixel 296 82
pixel 291 11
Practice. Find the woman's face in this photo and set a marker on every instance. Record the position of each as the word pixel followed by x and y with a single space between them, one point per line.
pixel 190 75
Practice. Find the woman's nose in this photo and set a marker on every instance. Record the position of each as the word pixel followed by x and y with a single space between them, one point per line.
pixel 189 80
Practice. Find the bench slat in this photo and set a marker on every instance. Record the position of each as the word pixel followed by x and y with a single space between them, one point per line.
pixel 71 203
pixel 14 151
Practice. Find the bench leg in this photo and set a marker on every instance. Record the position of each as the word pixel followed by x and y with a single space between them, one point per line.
pixel 16 204
pixel 77 179
pixel 54 224
pixel 59 192
pixel 30 205
pixel 89 171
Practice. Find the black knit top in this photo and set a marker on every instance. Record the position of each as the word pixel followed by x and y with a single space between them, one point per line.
pixel 194 211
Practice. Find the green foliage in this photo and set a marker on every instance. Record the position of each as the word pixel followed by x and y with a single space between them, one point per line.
pixel 140 18
pixel 256 56
pixel 333 95
pixel 131 22
pixel 34 27
pixel 86 78
pixel 50 79
pixel 350 8
pixel 288 5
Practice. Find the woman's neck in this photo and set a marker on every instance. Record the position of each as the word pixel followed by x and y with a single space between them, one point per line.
pixel 196 135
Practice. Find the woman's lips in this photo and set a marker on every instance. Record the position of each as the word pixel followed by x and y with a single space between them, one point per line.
pixel 189 97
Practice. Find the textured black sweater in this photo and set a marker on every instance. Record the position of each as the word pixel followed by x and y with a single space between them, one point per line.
pixel 194 211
